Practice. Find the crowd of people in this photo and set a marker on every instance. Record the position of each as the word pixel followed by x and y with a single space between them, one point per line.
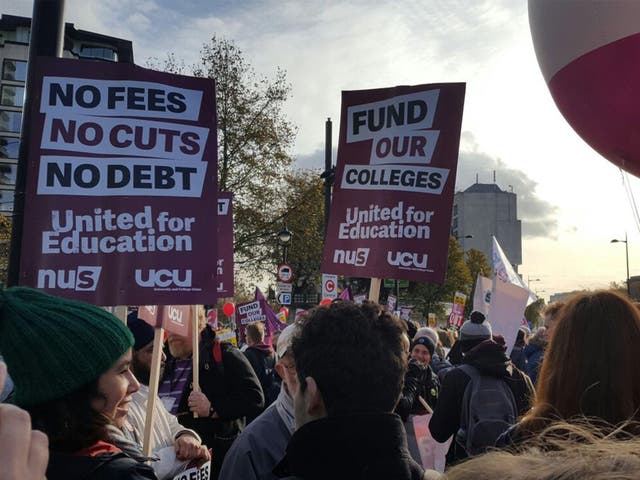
pixel 334 396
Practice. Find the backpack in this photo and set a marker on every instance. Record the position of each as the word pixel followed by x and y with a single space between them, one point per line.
pixel 488 409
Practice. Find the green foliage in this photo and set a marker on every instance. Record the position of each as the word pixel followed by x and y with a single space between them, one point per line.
pixel 5 246
pixel 533 312
pixel 304 217
pixel 428 297
pixel 254 139
pixel 478 265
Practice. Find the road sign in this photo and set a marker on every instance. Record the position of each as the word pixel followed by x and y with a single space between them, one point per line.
pixel 392 283
pixel 282 287
pixel 285 273
pixel 284 299
pixel 329 286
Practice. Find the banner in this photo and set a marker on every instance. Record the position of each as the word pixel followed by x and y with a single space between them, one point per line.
pixel 508 303
pixel 249 312
pixel 361 297
pixel 346 294
pixel 227 335
pixel 405 311
pixel 432 322
pixel 457 311
pixel 300 313
pixel 174 318
pixel 224 266
pixel 271 321
pixel 482 295
pixel 121 184
pixel 395 176
pixel 392 301
pixel 422 447
pixel 202 472
pixel 504 272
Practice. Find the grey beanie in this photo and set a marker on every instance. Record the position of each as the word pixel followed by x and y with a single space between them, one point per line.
pixel 476 328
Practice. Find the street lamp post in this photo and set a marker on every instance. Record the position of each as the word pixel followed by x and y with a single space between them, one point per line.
pixel 284 237
pixel 626 248
pixel 462 237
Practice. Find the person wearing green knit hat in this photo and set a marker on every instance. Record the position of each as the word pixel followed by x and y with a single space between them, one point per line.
pixel 70 361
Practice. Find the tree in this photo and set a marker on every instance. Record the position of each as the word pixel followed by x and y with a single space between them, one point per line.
pixel 254 139
pixel 428 297
pixel 304 217
pixel 478 265
pixel 533 312
pixel 5 244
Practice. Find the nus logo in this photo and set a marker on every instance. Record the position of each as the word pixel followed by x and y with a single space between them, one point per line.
pixel 163 278
pixel 82 279
pixel 357 257
pixel 406 259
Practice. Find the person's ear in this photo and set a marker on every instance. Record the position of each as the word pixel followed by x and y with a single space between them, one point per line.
pixel 280 370
pixel 314 403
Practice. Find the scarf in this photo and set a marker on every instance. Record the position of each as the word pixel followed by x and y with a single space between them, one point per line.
pixel 284 404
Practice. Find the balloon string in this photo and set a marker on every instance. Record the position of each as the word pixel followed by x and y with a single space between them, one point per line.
pixel 631 198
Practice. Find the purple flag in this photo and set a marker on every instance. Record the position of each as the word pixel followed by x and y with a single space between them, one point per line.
pixel 346 294
pixel 271 323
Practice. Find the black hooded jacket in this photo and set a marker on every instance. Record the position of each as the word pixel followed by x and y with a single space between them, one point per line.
pixel 490 359
pixel 351 447
pixel 105 466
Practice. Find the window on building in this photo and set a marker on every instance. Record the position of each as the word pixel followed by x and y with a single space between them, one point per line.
pixel 6 201
pixel 455 223
pixel 14 70
pixel 104 53
pixel 455 210
pixel 9 147
pixel 10 121
pixel 8 173
pixel 12 96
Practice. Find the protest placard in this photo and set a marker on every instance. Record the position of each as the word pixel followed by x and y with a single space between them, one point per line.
pixel 395 175
pixel 121 185
pixel 224 266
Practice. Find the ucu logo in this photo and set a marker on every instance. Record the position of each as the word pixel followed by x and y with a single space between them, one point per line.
pixel 175 315
pixel 406 259
pixel 163 278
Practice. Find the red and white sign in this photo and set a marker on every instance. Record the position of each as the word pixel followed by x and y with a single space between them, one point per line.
pixel 395 177
pixel 121 184
pixel 329 286
pixel 285 273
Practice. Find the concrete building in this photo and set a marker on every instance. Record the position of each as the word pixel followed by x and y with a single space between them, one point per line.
pixel 14 53
pixel 483 210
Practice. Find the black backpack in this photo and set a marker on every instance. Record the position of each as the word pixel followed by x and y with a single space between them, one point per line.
pixel 488 409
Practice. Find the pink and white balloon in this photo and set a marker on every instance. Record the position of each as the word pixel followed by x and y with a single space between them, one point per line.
pixel 589 54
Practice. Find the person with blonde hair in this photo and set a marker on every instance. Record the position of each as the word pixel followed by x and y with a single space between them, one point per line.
pixel 589 370
pixel 562 451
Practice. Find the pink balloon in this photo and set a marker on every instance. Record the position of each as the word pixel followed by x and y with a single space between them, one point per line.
pixel 588 57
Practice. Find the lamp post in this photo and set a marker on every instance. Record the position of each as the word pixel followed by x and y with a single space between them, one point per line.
pixel 626 248
pixel 284 237
pixel 462 237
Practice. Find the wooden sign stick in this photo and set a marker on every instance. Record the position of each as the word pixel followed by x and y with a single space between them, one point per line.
pixel 374 290
pixel 195 344
pixel 154 380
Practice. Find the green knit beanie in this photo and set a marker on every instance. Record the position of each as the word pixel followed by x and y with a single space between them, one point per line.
pixel 53 346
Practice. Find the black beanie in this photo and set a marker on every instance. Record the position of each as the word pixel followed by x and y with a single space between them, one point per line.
pixel 426 342
pixel 142 332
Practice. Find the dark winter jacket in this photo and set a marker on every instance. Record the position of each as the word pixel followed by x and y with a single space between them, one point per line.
pixel 350 447
pixel 534 353
pixel 490 359
pixel 233 390
pixel 519 358
pixel 104 466
pixel 419 381
pixel 263 360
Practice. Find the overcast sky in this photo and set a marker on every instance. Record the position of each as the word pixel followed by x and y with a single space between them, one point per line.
pixel 571 201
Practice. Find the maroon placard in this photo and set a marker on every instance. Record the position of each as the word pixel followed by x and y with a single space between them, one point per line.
pixel 393 193
pixel 224 267
pixel 174 318
pixel 121 185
